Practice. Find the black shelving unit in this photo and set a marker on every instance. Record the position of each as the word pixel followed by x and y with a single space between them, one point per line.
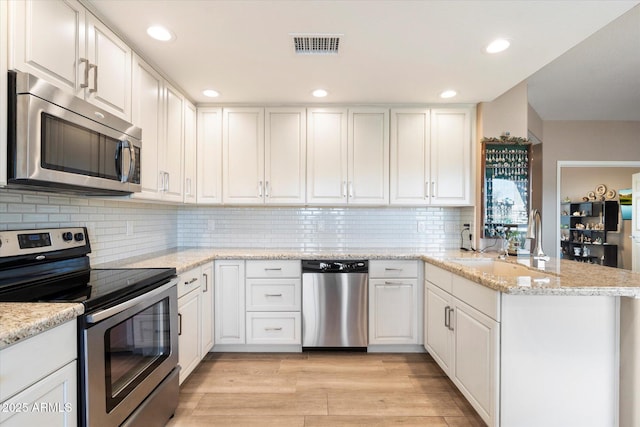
pixel 584 227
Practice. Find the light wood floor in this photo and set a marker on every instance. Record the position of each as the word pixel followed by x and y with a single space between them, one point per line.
pixel 321 389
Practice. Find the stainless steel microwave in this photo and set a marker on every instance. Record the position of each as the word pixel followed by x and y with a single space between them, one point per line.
pixel 58 142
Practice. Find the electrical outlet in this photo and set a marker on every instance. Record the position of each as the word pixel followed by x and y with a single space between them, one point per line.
pixel 211 225
pixel 129 228
pixel 422 226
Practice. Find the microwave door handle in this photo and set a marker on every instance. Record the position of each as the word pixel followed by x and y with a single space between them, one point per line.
pixel 132 161
pixel 122 145
pixel 118 160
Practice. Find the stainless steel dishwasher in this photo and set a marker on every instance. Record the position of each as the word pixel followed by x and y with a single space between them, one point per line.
pixel 335 304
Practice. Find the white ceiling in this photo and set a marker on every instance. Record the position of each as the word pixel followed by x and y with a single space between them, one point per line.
pixel 398 52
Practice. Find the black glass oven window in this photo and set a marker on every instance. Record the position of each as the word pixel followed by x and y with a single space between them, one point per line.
pixel 133 348
pixel 71 148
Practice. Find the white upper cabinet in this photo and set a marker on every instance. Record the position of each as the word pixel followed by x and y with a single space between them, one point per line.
pixel 243 156
pixel 110 69
pixel 368 157
pixel 451 166
pixel 173 153
pixel 327 156
pixel 158 110
pixel 431 159
pixel 410 142
pixel 264 155
pixel 209 156
pixel 61 42
pixel 285 156
pixel 190 153
pixel 148 100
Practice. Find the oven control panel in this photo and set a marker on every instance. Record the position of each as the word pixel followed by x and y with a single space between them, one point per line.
pixel 39 241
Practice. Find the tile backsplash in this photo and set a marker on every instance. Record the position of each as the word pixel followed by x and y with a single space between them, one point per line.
pixel 314 228
pixel 119 229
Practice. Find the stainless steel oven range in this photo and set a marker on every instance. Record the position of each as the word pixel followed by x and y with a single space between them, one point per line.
pixel 128 335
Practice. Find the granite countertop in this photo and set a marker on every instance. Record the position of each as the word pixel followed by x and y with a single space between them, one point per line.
pixel 19 320
pixel 559 277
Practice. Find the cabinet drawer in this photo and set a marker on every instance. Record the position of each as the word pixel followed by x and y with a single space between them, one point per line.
pixel 481 298
pixel 274 328
pixel 273 295
pixel 28 361
pixel 439 277
pixel 273 268
pixel 392 268
pixel 188 281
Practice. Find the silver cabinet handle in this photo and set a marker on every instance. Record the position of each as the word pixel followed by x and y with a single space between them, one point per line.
pixel 272 329
pixel 179 324
pixel 168 178
pixel 195 279
pixel 85 84
pixel 272 295
pixel 266 189
pixel 161 186
pixel 450 312
pixel 259 188
pixel 344 188
pixel 205 276
pixel 95 78
pixel 273 268
pixel 433 189
pixel 392 269
pixel 426 190
pixel 395 283
pixel 350 189
pixel 446 317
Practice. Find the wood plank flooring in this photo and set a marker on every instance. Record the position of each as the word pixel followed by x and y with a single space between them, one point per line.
pixel 318 389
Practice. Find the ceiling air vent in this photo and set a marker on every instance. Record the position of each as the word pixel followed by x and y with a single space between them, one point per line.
pixel 316 44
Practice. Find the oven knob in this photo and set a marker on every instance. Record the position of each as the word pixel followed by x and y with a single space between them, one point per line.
pixel 66 236
pixel 79 237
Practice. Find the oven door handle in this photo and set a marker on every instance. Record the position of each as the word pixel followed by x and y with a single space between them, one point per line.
pixel 112 311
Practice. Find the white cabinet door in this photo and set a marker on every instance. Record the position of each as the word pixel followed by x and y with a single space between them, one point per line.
pixel 368 156
pixel 476 349
pixel 190 164
pixel 110 70
pixel 243 155
pixel 209 186
pixel 274 328
pixel 48 40
pixel 229 309
pixel 59 388
pixel 439 337
pixel 171 156
pixel 409 156
pixel 148 114
pixel 393 311
pixel 285 156
pixel 451 166
pixel 206 305
pixel 327 156
pixel 188 333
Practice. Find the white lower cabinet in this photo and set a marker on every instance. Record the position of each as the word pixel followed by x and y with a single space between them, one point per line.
pixel 464 340
pixel 274 328
pixel 206 304
pixel 188 322
pixel 394 302
pixel 229 302
pixel 39 388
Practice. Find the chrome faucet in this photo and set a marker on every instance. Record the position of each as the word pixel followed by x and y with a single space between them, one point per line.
pixel 534 231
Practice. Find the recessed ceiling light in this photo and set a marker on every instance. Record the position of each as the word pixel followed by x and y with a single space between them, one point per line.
pixel 211 93
pixel 448 94
pixel 320 93
pixel 160 33
pixel 498 45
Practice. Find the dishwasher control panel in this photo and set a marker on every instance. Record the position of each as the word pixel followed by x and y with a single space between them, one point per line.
pixel 335 266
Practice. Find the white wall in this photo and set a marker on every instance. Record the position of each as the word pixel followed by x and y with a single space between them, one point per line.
pixel 507 113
